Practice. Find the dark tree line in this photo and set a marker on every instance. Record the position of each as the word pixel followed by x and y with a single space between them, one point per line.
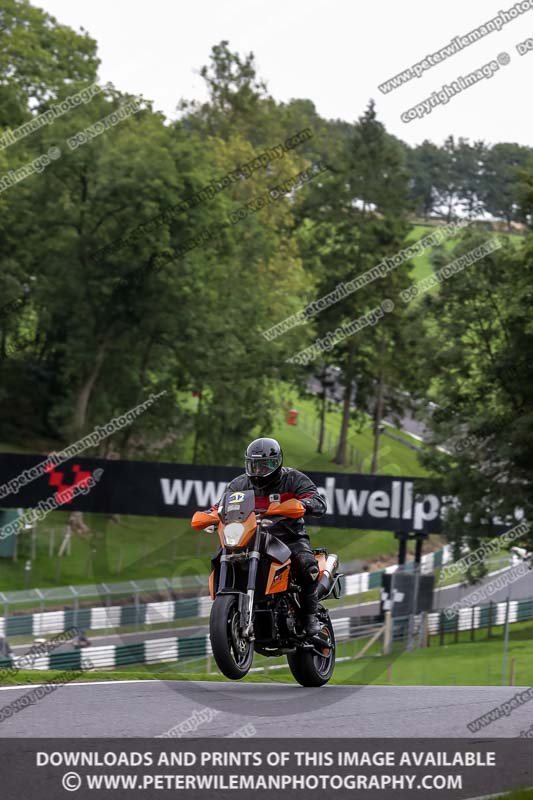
pixel 471 179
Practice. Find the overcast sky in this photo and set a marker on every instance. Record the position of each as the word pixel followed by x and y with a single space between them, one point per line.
pixel 333 52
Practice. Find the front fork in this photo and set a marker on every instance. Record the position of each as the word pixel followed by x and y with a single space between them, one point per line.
pixel 246 601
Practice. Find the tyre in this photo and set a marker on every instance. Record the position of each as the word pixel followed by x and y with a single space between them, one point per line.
pixel 310 669
pixel 232 653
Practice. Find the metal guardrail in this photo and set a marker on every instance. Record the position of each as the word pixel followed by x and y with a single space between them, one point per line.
pixel 150 651
pixel 182 648
pixel 104 589
pixel 104 617
pixel 135 613
pixel 76 596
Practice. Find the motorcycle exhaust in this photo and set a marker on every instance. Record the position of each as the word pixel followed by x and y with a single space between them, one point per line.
pixel 328 576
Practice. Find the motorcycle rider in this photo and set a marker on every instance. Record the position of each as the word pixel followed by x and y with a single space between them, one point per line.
pixel 271 481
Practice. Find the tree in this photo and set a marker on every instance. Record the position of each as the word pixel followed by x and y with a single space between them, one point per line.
pixel 426 164
pixel 39 58
pixel 354 219
pixel 378 182
pixel 182 318
pixel 500 179
pixel 449 191
pixel 522 192
pixel 468 164
pixel 478 340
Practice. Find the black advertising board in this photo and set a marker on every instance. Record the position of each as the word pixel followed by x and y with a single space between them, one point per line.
pixel 375 502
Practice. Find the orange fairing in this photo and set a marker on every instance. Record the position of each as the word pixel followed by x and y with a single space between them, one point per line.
pixel 250 527
pixel 278 577
pixel 290 508
pixel 202 519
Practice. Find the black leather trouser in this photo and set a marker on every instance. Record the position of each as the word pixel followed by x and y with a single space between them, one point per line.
pixel 305 568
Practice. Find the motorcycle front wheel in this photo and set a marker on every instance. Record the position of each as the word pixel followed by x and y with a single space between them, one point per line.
pixel 233 654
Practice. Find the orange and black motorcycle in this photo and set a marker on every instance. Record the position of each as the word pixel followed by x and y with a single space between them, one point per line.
pixel 256 598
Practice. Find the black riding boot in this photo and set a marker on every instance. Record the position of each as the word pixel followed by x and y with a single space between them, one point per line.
pixel 310 608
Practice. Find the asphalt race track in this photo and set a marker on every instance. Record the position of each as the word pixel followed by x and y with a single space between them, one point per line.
pixel 150 708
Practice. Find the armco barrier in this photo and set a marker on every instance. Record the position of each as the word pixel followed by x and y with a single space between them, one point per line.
pixel 152 651
pixel 482 616
pixel 159 651
pixel 104 617
pixel 100 617
pixel 364 581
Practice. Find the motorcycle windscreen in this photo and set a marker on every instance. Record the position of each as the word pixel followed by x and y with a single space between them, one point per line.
pixel 237 506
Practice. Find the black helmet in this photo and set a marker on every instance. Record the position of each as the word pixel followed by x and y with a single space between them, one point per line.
pixel 262 461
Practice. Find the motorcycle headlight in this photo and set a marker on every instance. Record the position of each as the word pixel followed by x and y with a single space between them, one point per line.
pixel 232 533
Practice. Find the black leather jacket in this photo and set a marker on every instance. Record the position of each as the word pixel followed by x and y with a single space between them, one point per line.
pixel 289 484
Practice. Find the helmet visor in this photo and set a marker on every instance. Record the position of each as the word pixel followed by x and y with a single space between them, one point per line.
pixel 260 467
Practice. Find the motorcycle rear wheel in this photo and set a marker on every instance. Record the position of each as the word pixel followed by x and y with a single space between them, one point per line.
pixel 310 669
pixel 233 654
